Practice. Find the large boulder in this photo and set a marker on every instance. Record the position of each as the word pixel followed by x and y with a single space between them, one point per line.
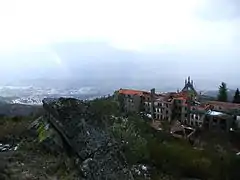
pixel 98 155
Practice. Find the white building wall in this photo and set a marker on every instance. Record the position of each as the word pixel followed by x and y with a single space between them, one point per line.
pixel 195 120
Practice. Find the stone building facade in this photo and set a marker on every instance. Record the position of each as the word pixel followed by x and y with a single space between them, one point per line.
pixel 182 106
pixel 162 106
pixel 133 100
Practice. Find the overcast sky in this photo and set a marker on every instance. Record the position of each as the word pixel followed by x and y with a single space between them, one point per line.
pixel 186 26
pixel 129 24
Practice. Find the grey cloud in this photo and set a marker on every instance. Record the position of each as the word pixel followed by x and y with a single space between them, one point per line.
pixel 101 65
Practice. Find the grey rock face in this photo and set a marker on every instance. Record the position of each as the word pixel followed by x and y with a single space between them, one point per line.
pixel 99 155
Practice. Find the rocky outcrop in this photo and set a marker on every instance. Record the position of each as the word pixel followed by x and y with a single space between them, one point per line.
pixel 98 155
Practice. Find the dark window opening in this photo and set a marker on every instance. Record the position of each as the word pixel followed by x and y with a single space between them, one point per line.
pixel 214 120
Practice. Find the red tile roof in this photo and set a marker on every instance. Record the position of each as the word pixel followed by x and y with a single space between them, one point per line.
pixel 224 104
pixel 182 95
pixel 133 92
pixel 180 98
pixel 169 97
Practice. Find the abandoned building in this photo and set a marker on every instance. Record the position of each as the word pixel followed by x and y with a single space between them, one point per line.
pixel 182 106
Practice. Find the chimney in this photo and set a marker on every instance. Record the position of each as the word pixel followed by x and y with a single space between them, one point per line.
pixel 152 101
pixel 185 81
pixel 188 79
pixel 192 82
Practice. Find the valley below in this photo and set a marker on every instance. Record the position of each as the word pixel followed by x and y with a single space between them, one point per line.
pixel 31 95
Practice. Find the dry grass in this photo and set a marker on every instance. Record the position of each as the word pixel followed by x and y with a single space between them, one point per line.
pixel 10 127
pixel 31 161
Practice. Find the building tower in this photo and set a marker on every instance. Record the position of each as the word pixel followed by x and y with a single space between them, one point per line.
pixel 191 95
pixel 189 86
pixel 152 102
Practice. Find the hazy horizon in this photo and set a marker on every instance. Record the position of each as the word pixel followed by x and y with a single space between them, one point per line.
pixel 121 42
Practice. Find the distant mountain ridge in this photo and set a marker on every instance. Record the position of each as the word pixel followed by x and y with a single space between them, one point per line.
pixel 99 64
pixel 214 94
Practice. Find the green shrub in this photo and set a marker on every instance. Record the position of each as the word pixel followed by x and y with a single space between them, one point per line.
pixel 168 155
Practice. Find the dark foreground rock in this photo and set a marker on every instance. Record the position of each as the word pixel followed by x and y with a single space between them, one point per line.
pixel 98 155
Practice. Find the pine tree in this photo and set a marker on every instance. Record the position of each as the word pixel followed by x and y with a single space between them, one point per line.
pixel 222 92
pixel 236 98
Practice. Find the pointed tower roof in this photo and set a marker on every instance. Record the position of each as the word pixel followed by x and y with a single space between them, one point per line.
pixel 189 86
